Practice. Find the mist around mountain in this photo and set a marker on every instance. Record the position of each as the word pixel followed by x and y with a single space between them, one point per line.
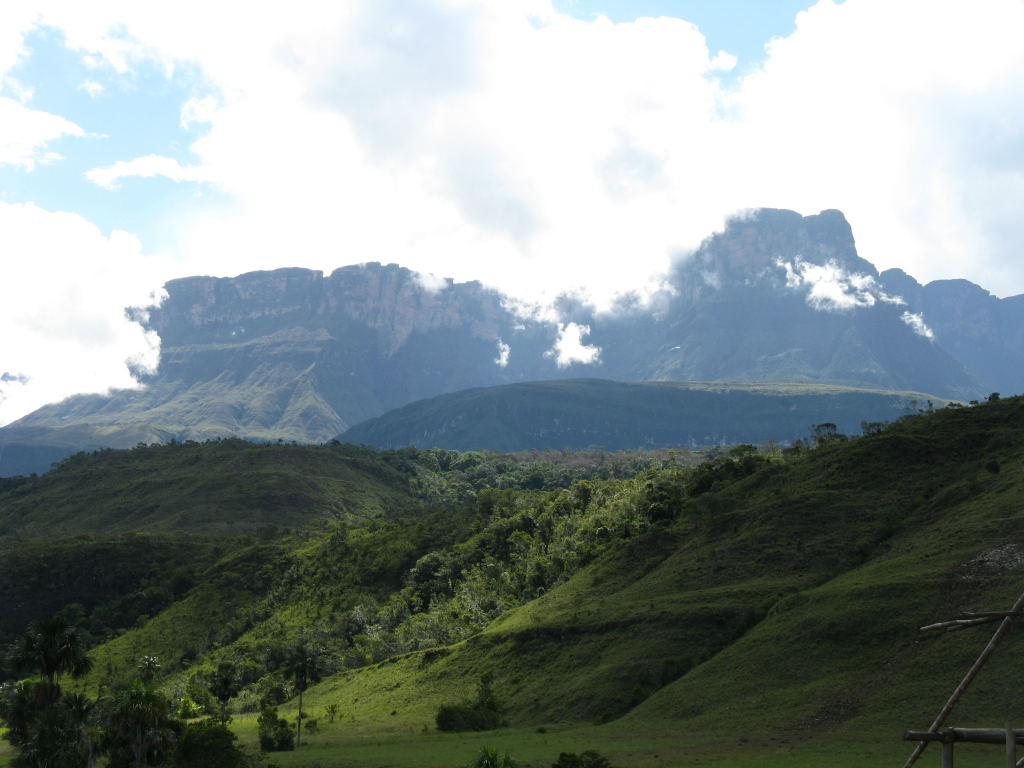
pixel 294 354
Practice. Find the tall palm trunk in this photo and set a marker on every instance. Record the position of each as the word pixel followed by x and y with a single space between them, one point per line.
pixel 139 747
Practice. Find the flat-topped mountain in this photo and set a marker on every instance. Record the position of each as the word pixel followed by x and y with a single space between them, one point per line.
pixel 295 354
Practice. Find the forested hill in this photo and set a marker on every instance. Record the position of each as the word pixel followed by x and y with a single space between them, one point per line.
pixel 223 487
pixel 579 413
pixel 616 601
pixel 124 534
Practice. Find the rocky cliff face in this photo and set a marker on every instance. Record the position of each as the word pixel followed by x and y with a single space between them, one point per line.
pixel 295 354
pixel 983 332
pixel 298 355
pixel 782 297
pixel 388 300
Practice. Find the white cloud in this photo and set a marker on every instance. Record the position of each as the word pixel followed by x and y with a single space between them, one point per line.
pixel 22 92
pixel 431 283
pixel 198 110
pixel 62 299
pixel 504 350
pixel 25 132
pixel 502 140
pixel 723 62
pixel 92 88
pixel 456 137
pixel 15 18
pixel 505 142
pixel 887 111
pixel 831 288
pixel 569 347
pixel 144 167
pixel 916 322
pixel 714 279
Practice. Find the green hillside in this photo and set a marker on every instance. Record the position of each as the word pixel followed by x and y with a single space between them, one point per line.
pixel 221 487
pixel 177 548
pixel 781 606
pixel 579 413
pixel 760 608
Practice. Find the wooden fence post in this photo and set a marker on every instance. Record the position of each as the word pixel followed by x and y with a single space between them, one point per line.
pixel 947 754
pixel 1004 627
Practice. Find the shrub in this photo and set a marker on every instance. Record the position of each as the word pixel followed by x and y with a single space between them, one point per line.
pixel 207 743
pixel 187 709
pixel 484 714
pixel 589 759
pixel 276 735
pixel 466 717
pixel 489 757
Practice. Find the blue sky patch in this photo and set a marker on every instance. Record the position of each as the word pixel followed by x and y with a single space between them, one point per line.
pixel 134 114
pixel 740 27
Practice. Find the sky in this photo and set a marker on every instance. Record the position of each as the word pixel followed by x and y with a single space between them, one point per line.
pixel 536 145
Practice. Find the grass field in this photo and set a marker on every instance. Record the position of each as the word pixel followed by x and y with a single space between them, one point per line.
pixel 347 745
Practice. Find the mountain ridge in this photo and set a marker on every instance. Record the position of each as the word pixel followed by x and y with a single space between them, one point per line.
pixel 295 354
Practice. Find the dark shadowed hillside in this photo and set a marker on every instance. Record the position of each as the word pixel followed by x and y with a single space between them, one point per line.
pixel 583 412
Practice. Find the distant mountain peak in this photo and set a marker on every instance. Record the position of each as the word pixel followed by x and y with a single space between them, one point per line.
pixel 298 354
pixel 786 253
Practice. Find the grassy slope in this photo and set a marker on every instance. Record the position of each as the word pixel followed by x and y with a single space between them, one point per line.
pixel 795 594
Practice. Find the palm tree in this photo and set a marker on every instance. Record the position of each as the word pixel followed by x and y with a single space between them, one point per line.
pixel 489 757
pixel 80 709
pixel 50 731
pixel 18 710
pixel 224 684
pixel 52 742
pixel 303 666
pixel 138 719
pixel 51 647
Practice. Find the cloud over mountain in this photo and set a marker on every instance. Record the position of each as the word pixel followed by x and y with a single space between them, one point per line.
pixel 515 144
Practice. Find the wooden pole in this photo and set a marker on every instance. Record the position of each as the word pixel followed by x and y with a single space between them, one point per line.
pixel 1011 746
pixel 984 735
pixel 1004 627
pixel 955 624
pixel 947 753
pixel 974 735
